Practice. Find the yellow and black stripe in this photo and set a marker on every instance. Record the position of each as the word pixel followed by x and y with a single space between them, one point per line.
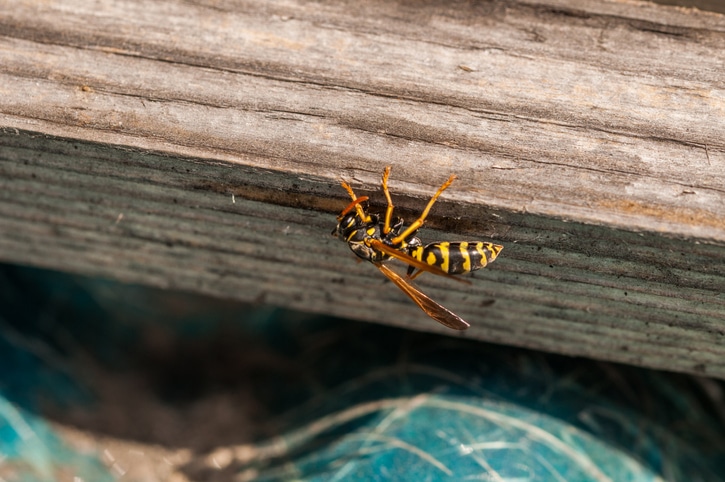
pixel 457 257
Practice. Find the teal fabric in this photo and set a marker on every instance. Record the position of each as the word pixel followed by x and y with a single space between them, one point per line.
pixel 334 399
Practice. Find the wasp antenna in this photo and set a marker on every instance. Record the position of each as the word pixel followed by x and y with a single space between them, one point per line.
pixel 355 203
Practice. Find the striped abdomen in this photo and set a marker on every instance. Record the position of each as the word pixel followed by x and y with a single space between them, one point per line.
pixel 457 257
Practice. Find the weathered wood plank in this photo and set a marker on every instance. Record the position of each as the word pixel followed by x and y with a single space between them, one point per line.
pixel 199 146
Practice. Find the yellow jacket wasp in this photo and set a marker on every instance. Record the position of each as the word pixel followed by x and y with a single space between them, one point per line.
pixel 377 241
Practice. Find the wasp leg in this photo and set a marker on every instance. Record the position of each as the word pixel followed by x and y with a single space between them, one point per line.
pixel 419 222
pixel 351 206
pixel 349 190
pixel 355 203
pixel 389 210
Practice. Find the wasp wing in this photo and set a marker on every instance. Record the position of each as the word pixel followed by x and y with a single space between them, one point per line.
pixel 439 313
pixel 406 258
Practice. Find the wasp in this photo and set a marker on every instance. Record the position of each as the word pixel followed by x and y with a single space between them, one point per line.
pixel 378 239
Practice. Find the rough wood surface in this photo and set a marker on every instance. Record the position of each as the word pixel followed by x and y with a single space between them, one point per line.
pixel 199 145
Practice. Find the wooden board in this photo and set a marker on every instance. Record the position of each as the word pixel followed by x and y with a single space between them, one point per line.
pixel 199 146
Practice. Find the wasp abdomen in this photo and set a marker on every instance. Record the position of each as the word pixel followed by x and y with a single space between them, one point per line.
pixel 457 257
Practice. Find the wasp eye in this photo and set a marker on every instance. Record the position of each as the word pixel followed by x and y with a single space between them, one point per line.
pixel 349 221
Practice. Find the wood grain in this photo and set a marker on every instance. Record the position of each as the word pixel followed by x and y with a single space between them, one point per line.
pixel 199 145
